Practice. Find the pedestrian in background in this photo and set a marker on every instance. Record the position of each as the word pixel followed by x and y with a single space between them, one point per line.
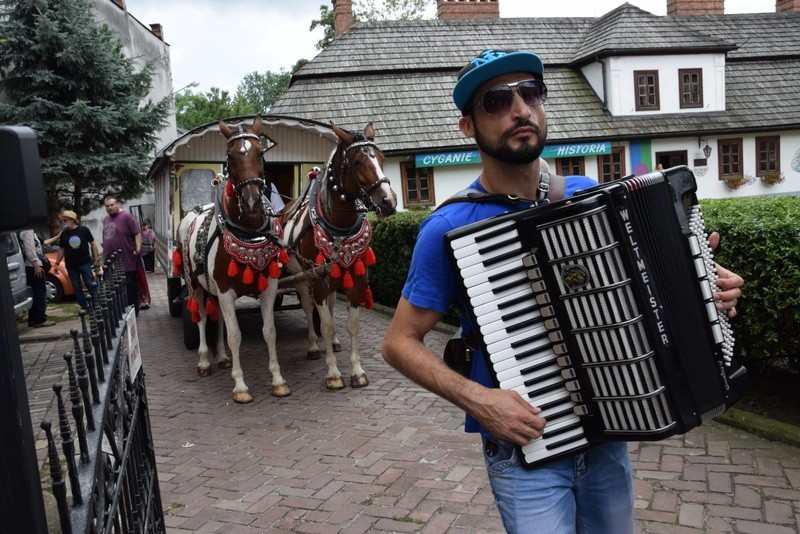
pixel 121 233
pixel 148 246
pixel 34 272
pixel 79 251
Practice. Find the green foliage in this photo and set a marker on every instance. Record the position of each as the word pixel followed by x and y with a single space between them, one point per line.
pixel 370 11
pixel 67 78
pixel 761 242
pixel 260 90
pixel 393 241
pixel 192 110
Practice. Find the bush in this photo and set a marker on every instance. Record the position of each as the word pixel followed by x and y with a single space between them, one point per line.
pixel 393 242
pixel 761 242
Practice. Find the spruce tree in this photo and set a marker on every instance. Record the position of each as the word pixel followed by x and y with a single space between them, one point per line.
pixel 65 76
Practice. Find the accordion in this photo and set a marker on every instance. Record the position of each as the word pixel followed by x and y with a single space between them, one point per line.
pixel 598 309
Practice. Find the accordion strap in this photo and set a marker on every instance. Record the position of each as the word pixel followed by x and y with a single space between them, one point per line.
pixel 475 195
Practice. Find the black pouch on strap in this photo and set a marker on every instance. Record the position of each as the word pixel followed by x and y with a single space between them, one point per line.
pixel 458 354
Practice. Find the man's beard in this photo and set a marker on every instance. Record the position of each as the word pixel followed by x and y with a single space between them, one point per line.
pixel 502 151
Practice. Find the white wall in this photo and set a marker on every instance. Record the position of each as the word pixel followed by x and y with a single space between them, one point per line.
pixel 622 94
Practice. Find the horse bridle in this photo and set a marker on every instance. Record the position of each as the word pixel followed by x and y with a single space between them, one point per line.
pixel 365 192
pixel 258 180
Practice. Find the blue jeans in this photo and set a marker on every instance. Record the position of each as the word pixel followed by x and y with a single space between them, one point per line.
pixel 75 275
pixel 590 492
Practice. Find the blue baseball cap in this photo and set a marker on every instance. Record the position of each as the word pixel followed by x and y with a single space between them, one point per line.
pixel 490 64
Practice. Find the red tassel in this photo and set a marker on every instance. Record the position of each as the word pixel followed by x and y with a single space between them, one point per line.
pixel 336 272
pixel 229 188
pixel 247 276
pixel 312 175
pixel 177 261
pixel 347 281
pixel 366 298
pixel 274 270
pixel 233 269
pixel 194 307
pixel 263 283
pixel 369 257
pixel 212 310
pixel 359 269
pixel 320 259
pixel 283 256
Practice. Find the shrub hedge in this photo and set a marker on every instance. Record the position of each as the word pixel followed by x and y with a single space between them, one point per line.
pixel 760 241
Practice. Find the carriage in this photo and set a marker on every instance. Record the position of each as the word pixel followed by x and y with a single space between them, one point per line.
pixel 183 171
pixel 240 231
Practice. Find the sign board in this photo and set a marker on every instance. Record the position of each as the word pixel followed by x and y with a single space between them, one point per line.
pixel 471 157
pixel 573 151
pixel 134 351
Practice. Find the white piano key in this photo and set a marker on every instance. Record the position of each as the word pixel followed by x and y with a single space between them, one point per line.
pixel 520 379
pixel 520 278
pixel 507 365
pixel 497 348
pixel 482 274
pixel 501 329
pixel 496 313
pixel 488 305
pixel 468 249
pixel 469 239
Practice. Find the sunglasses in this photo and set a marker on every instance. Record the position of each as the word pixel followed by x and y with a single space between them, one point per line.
pixel 498 100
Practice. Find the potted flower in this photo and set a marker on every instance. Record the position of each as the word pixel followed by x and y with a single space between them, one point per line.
pixel 735 181
pixel 773 177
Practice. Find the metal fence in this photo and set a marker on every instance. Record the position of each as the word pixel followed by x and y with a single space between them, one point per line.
pixel 103 467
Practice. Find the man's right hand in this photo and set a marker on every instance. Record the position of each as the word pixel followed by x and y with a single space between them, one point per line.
pixel 507 416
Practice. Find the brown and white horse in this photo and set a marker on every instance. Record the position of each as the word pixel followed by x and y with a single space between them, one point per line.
pixel 328 225
pixel 232 248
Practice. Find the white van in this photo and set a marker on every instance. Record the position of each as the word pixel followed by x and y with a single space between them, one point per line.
pixel 20 292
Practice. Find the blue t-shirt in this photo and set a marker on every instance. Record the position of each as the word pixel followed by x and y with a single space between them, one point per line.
pixel 432 282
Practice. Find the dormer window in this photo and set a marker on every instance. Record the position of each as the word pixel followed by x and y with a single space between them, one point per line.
pixel 646 85
pixel 691 81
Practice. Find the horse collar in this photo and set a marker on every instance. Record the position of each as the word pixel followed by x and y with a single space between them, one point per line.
pixel 318 217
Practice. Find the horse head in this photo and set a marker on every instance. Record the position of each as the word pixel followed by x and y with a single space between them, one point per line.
pixel 358 168
pixel 245 168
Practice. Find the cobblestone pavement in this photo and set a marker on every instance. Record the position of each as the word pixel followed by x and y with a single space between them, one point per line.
pixel 388 458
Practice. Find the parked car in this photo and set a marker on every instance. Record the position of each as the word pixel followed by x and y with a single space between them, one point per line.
pixel 20 292
pixel 58 284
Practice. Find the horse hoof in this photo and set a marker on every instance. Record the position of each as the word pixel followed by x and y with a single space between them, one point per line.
pixel 224 364
pixel 359 381
pixel 204 371
pixel 242 397
pixel 334 384
pixel 314 354
pixel 281 390
pixel 337 347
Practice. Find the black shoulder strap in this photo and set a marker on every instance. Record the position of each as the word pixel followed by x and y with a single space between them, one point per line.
pixel 475 195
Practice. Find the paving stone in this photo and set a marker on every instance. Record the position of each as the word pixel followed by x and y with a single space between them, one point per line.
pixel 390 457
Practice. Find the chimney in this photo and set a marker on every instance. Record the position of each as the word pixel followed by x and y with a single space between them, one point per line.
pixel 120 4
pixel 157 30
pixel 342 16
pixel 695 7
pixel 787 5
pixel 467 9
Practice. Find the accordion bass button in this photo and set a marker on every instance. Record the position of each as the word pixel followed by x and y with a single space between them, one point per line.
pixel 551 324
pixel 581 410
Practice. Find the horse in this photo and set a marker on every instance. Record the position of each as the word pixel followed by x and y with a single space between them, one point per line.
pixel 231 248
pixel 327 227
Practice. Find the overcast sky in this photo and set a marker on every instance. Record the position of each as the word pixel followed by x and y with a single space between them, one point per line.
pixel 217 42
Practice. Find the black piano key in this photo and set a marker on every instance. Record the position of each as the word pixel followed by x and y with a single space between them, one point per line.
pixel 525 324
pixel 545 389
pixel 532 381
pixel 560 430
pixel 555 416
pixel 536 367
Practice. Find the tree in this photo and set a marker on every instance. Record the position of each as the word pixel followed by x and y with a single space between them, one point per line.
pixel 193 110
pixel 369 10
pixel 260 90
pixel 66 77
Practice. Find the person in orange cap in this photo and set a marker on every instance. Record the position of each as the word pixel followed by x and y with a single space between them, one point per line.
pixel 79 250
